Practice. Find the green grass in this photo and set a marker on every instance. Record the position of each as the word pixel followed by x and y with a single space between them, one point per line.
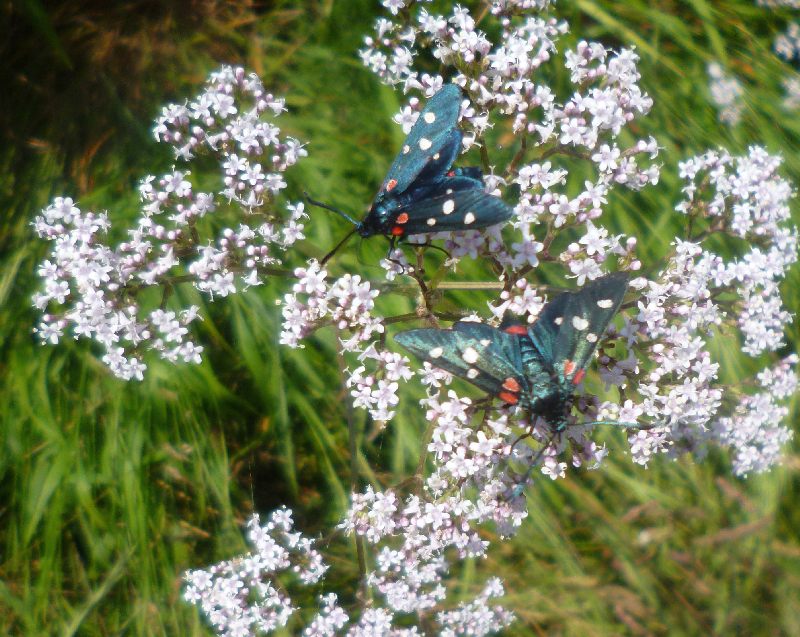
pixel 109 490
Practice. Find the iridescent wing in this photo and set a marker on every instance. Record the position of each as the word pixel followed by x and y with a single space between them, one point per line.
pixel 567 331
pixel 454 203
pixel 431 145
pixel 487 357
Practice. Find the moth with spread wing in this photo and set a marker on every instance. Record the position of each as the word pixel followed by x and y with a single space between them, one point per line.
pixel 537 367
pixel 421 193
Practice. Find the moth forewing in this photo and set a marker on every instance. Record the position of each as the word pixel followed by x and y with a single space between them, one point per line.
pixel 428 136
pixel 586 316
pixel 471 351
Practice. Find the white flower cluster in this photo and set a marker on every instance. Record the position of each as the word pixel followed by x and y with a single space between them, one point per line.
pixel 87 288
pixel 415 534
pixel 746 198
pixel 93 290
pixel 755 431
pixel 775 4
pixel 522 300
pixel 227 119
pixel 476 617
pixel 792 87
pixel 248 595
pixel 787 44
pixel 678 394
pixel 700 293
pixel 375 389
pixel 726 94
pixel 347 304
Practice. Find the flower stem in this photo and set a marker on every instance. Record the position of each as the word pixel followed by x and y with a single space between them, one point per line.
pixel 352 434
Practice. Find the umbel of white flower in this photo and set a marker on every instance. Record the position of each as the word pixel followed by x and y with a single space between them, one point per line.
pixel 92 290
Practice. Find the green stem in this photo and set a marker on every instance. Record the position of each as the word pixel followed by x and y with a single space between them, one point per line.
pixel 352 434
pixel 444 285
pixel 512 167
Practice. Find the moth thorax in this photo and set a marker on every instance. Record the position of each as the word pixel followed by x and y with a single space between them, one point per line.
pixel 554 409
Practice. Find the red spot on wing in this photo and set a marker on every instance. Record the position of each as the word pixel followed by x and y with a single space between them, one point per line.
pixel 452 173
pixel 508 397
pixel 579 376
pixel 511 384
pixel 516 329
pixel 569 367
pixel 402 217
pixel 390 185
pixel 397 231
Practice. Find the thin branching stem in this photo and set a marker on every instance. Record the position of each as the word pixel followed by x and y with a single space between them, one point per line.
pixel 512 167
pixel 485 159
pixel 443 285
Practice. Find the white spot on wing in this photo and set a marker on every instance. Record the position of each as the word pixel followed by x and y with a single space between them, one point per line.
pixel 592 338
pixel 406 149
pixel 448 206
pixel 429 118
pixel 449 191
pixel 486 342
pixel 470 356
pixel 472 373
pixel 558 320
pixel 579 323
pixel 425 143
pixel 469 218
pixel 605 303
pixel 436 352
pixel 431 221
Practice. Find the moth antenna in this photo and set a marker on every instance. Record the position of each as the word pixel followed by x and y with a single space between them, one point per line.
pixel 337 246
pixel 325 206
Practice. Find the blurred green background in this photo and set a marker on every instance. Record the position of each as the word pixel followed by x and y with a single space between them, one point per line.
pixel 109 490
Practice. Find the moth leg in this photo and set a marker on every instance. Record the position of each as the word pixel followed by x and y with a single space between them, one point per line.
pixel 420 271
pixel 482 404
pixel 521 437
pixel 435 247
pixel 399 264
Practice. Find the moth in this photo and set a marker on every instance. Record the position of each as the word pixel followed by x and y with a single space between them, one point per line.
pixel 537 366
pixel 422 192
